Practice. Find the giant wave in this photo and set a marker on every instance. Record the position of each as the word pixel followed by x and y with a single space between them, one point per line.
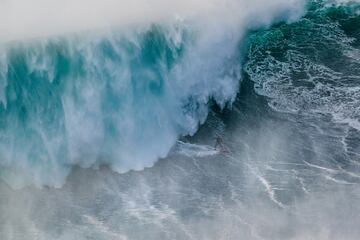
pixel 119 97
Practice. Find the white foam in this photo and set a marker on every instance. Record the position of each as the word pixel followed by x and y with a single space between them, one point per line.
pixel 146 125
pixel 36 18
pixel 194 150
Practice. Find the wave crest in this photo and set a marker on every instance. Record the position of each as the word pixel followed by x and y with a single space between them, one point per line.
pixel 119 98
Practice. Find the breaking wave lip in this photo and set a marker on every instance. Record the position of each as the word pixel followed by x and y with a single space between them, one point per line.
pixel 118 98
pixel 41 18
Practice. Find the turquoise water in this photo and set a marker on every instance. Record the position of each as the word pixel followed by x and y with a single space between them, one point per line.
pixel 112 135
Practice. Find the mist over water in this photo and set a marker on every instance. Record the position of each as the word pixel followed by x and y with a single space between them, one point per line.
pixel 43 18
pixel 98 97
pixel 110 133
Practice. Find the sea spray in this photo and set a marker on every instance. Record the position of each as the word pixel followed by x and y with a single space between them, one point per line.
pixel 121 97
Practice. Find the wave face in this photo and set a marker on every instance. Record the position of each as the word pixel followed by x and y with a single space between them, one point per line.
pixel 120 98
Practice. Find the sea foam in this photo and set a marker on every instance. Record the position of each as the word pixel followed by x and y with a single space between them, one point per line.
pixel 112 82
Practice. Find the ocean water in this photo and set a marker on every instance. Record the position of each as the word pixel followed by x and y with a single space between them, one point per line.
pixel 112 132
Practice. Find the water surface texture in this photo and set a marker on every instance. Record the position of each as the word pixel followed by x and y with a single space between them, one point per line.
pixel 239 127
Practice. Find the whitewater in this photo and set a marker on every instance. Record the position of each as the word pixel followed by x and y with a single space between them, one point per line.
pixel 219 119
pixel 104 89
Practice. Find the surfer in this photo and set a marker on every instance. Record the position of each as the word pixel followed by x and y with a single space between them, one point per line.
pixel 219 145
